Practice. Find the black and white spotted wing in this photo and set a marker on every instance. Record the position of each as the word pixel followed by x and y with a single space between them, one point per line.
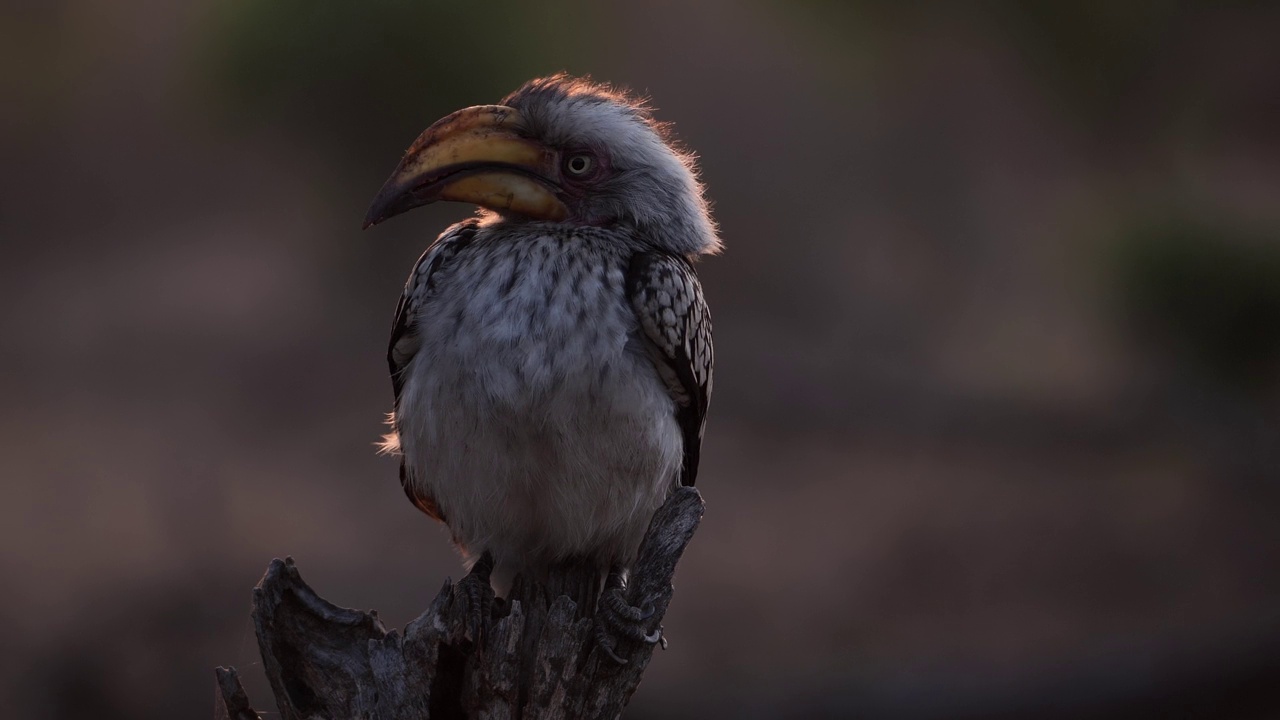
pixel 676 325
pixel 405 342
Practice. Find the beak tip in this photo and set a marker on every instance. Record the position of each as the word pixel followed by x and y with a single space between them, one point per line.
pixel 376 214
pixel 390 201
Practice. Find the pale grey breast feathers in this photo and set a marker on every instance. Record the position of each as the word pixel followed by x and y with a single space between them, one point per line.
pixel 405 342
pixel 404 338
pixel 674 327
pixel 676 324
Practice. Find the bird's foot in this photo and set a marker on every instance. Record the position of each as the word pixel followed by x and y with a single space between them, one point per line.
pixel 616 618
pixel 476 594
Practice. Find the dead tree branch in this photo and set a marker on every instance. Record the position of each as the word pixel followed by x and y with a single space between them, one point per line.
pixel 536 659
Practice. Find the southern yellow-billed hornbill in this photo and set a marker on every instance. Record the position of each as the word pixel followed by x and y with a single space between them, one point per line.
pixel 552 358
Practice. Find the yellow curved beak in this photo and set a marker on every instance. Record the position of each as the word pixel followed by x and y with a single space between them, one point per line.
pixel 474 155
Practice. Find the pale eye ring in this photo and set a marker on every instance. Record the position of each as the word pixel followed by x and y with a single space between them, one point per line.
pixel 579 165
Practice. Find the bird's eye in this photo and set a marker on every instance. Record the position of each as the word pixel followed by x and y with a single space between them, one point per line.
pixel 579 165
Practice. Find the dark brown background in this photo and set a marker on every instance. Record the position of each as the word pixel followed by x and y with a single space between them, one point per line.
pixel 997 395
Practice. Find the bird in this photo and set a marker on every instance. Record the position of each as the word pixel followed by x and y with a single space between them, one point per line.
pixel 551 357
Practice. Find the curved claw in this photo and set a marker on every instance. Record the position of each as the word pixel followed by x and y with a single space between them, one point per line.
pixel 605 642
pixel 656 637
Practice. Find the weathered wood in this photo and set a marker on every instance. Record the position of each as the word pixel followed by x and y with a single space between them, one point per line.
pixel 230 701
pixel 536 658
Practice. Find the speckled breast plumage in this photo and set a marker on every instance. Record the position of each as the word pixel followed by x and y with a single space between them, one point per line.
pixel 531 414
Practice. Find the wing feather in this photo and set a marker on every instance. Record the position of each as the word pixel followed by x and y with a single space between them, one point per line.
pixel 676 327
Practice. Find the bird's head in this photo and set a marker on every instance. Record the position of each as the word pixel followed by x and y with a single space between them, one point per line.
pixel 564 150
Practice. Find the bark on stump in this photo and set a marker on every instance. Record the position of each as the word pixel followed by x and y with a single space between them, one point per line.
pixel 537 659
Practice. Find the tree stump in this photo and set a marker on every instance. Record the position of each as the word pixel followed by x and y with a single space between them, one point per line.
pixel 536 659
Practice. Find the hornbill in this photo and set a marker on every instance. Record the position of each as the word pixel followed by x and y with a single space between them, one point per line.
pixel 551 357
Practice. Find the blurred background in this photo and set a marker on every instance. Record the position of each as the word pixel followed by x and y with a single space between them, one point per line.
pixel 996 430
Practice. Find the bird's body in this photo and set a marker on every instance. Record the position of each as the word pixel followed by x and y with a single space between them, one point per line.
pixel 551 359
pixel 531 413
